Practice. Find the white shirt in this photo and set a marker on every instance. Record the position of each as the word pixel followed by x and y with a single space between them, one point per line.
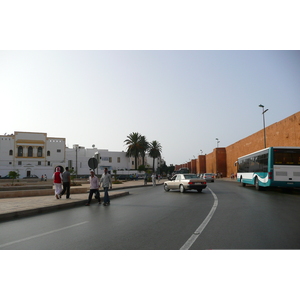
pixel 106 180
pixel 94 182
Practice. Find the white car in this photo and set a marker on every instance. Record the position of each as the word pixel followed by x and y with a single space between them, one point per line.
pixel 185 182
pixel 209 177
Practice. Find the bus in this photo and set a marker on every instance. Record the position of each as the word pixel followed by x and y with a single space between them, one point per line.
pixel 273 166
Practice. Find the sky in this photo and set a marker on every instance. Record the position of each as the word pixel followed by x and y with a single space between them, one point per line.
pixel 172 75
pixel 182 73
pixel 182 99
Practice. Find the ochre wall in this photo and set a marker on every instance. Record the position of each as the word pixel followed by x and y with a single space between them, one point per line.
pixel 285 133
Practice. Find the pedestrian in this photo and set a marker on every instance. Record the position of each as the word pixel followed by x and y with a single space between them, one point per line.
pixel 153 176
pixel 106 183
pixel 66 176
pixel 45 177
pixel 158 178
pixel 145 179
pixel 94 188
pixel 42 178
pixel 57 181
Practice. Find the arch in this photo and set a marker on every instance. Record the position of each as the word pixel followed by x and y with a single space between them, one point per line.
pixel 20 151
pixel 40 152
pixel 30 151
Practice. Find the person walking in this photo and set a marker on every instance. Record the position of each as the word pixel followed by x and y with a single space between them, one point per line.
pixel 66 176
pixel 94 188
pixel 57 180
pixel 145 179
pixel 106 183
pixel 153 176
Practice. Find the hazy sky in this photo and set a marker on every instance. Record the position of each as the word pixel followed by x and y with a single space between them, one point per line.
pixel 183 99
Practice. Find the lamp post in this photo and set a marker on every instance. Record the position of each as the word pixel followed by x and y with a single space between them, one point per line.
pixel 263 113
pixel 76 147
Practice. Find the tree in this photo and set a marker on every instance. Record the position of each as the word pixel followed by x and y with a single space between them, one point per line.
pixel 144 146
pixel 13 175
pixel 155 151
pixel 133 146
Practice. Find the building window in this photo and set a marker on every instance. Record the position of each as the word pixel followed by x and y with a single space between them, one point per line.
pixel 48 153
pixel 119 159
pixel 110 159
pixel 132 163
pixel 40 152
pixel 70 164
pixel 10 162
pixel 39 163
pixel 20 151
pixel 30 151
pixel 10 152
pixel 49 163
pixel 19 163
pixel 58 150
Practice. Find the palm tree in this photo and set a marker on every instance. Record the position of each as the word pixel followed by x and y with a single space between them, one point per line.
pixel 155 151
pixel 144 147
pixel 133 146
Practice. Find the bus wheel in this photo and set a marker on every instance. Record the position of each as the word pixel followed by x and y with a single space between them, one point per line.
pixel 243 183
pixel 258 188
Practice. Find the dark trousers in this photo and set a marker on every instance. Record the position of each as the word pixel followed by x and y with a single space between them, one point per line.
pixel 66 188
pixel 106 196
pixel 97 195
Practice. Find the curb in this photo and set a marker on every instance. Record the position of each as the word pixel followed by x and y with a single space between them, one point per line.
pixel 50 208
pixel 34 211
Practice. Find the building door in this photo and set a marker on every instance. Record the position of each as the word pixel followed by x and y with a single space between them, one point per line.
pixel 28 173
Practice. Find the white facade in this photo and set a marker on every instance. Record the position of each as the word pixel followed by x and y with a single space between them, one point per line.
pixel 112 160
pixel 33 153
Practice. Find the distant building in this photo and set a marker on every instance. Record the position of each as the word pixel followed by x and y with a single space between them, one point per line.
pixel 33 153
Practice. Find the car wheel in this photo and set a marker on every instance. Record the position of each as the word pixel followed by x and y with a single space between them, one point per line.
pixel 166 188
pixel 199 191
pixel 182 189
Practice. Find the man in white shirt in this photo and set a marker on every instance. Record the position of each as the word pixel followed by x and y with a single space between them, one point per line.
pixel 106 183
pixel 94 188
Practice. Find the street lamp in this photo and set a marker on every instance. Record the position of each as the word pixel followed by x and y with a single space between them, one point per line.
pixel 217 142
pixel 76 147
pixel 263 113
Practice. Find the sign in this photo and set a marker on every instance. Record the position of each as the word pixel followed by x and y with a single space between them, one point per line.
pixel 93 163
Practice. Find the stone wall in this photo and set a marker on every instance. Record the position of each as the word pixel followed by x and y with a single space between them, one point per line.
pixel 285 133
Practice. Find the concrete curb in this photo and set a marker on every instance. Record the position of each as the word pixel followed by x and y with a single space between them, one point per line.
pixel 34 211
pixel 5 216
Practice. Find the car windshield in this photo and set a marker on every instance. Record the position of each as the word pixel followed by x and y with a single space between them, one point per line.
pixel 190 176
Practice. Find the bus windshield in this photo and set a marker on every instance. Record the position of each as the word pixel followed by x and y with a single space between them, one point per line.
pixel 286 157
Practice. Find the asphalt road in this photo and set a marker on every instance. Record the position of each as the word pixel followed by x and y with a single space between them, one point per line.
pixel 223 216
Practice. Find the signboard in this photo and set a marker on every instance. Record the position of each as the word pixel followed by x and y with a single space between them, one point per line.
pixel 93 163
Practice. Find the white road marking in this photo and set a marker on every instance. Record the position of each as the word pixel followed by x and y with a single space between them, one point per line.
pixel 199 230
pixel 41 234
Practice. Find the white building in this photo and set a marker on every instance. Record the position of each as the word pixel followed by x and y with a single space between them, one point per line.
pixel 30 153
pixel 78 158
pixel 33 153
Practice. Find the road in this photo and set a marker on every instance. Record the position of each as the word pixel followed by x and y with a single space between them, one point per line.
pixel 223 216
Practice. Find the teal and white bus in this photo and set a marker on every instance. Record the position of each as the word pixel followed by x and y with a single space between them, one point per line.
pixel 273 166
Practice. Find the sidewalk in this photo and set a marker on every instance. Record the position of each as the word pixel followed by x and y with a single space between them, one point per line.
pixel 11 208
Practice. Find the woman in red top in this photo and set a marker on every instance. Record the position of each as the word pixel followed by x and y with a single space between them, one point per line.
pixel 57 180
